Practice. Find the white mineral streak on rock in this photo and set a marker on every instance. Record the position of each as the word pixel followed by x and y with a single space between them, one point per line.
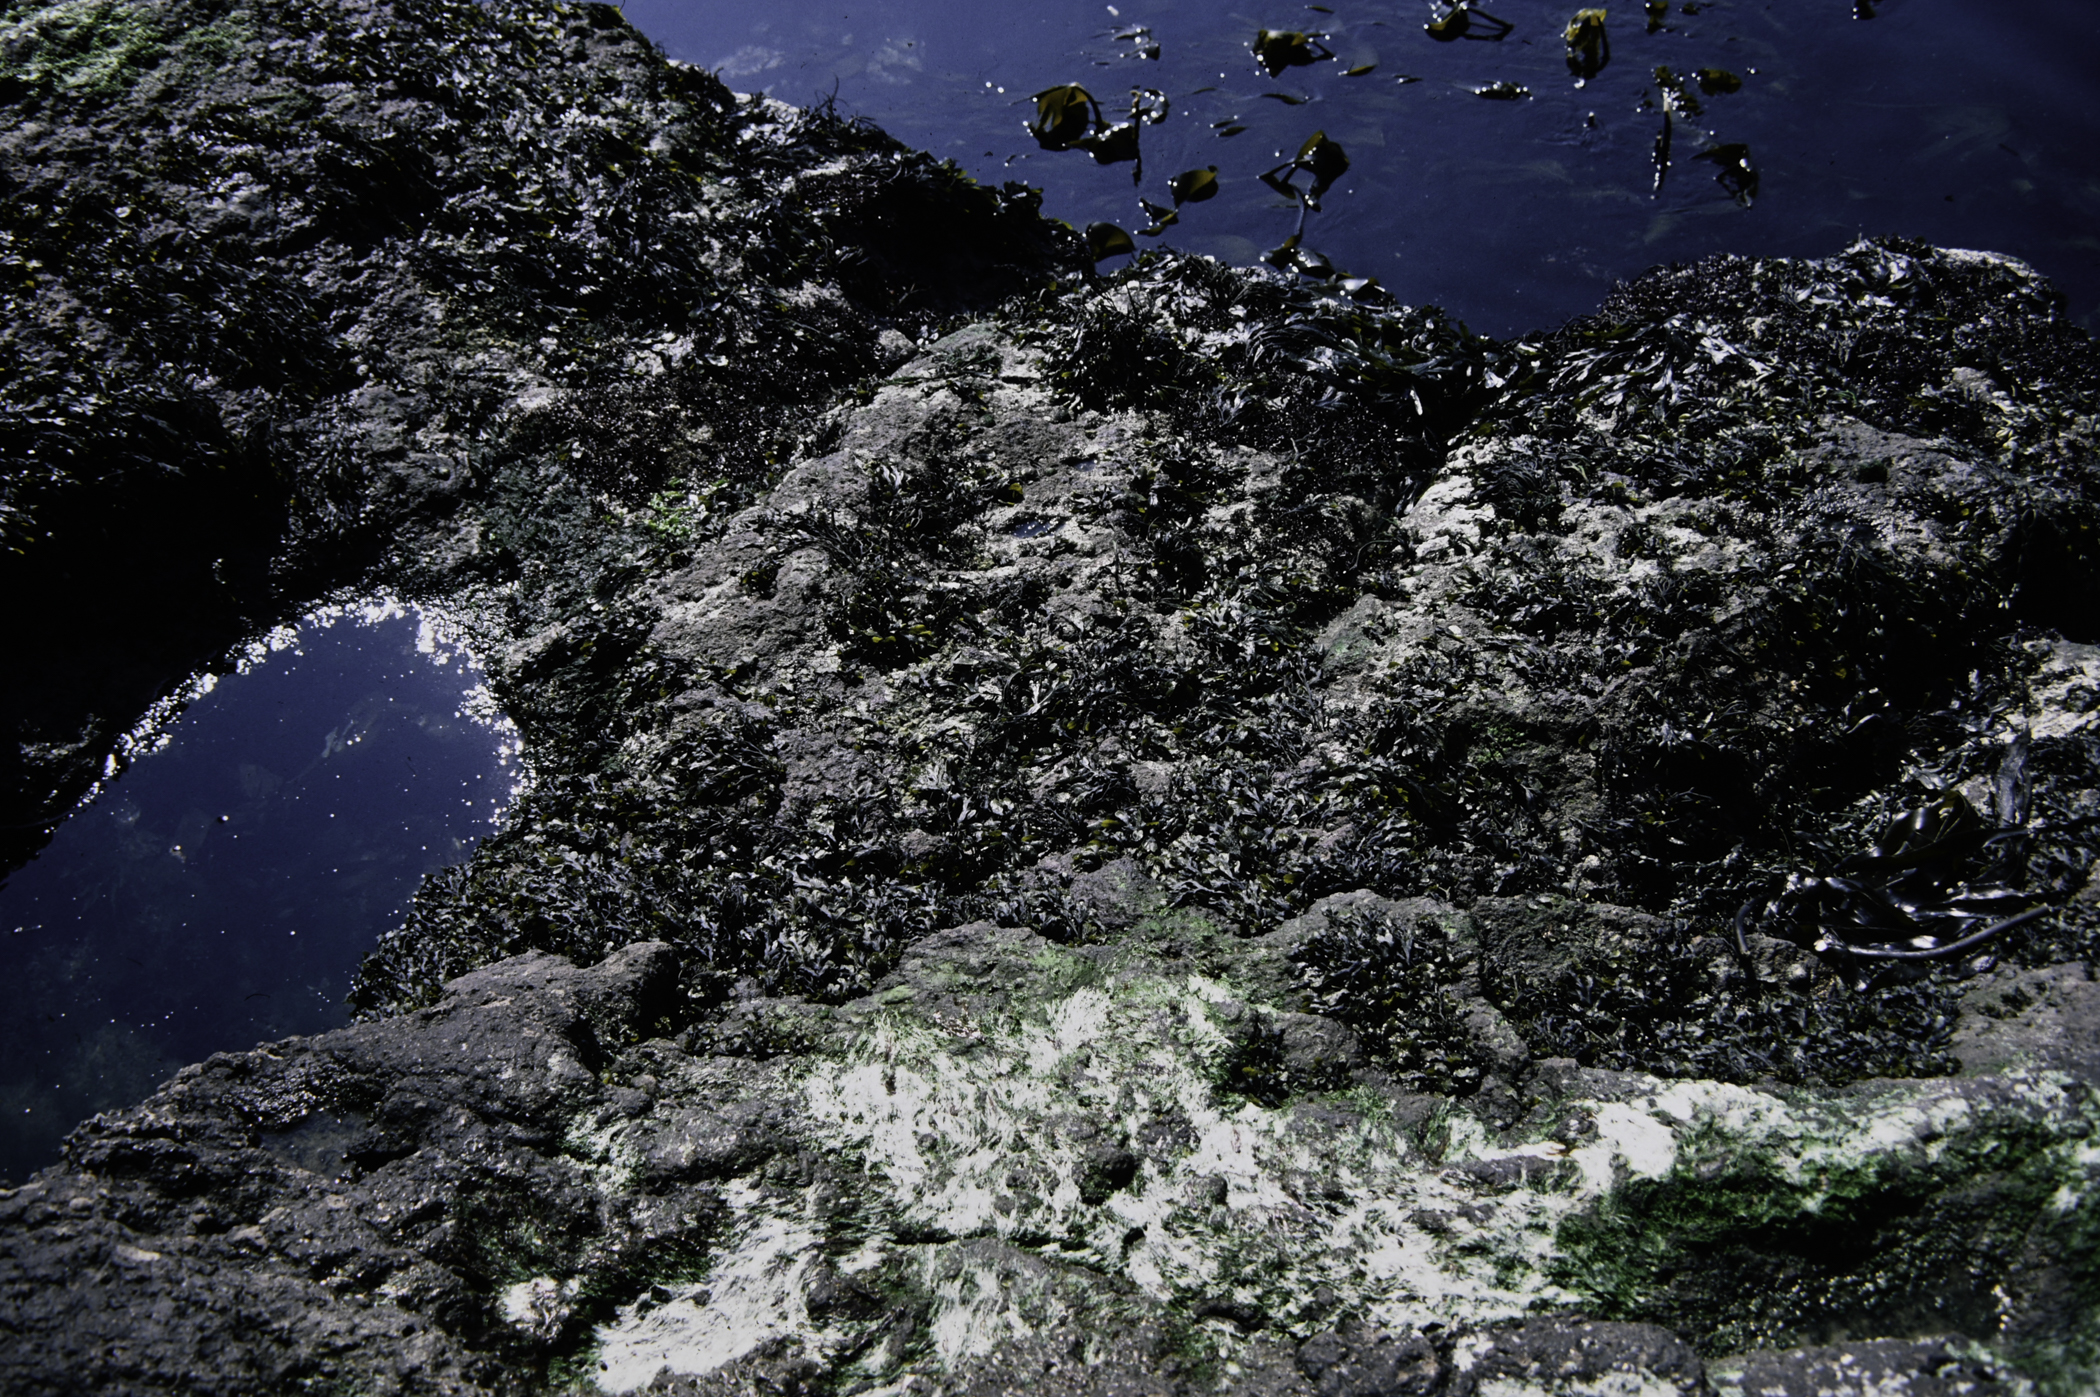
pixel 974 1314
pixel 948 1130
pixel 1635 1141
pixel 2084 1161
pixel 984 1136
pixel 752 1293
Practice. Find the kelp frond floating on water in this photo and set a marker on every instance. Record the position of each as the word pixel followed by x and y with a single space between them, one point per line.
pixel 1278 49
pixel 1068 117
pixel 1064 116
pixel 1194 186
pixel 1105 240
pixel 1589 47
pixel 1736 174
pixel 1462 20
pixel 1319 157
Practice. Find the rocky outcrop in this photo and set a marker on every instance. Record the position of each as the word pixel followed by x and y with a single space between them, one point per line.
pixel 275 273
pixel 1174 832
pixel 1016 1164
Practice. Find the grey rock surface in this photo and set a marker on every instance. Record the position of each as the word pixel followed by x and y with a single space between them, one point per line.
pixel 1169 833
pixel 1911 1367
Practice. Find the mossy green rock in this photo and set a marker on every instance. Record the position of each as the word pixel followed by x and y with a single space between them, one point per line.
pixel 1168 833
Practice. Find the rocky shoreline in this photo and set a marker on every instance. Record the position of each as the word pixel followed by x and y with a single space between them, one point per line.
pixel 1167 832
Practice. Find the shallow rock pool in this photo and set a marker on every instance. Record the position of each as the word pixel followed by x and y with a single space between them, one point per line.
pixel 221 890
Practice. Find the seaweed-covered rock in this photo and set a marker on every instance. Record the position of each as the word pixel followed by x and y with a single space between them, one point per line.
pixel 277 276
pixel 1166 833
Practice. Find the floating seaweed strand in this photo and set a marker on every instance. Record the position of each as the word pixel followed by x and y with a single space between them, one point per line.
pixel 1676 98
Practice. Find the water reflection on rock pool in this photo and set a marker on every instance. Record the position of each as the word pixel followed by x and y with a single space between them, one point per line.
pixel 221 891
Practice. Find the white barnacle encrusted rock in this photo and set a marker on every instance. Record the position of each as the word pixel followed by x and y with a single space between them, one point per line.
pixel 967 1140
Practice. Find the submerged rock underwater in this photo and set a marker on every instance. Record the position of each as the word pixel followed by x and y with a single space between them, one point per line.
pixel 1171 832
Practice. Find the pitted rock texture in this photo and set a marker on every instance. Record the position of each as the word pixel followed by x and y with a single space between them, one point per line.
pixel 1169 833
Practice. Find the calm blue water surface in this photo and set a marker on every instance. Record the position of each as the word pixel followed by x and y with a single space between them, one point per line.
pixel 222 891
pixel 1964 124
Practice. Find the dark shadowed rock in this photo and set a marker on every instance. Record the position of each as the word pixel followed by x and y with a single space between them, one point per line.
pixel 1368 1362
pixel 341 1207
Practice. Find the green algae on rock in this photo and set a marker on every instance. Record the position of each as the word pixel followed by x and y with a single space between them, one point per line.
pixel 1168 832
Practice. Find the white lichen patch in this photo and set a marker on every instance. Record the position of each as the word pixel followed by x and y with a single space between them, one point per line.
pixel 974 1144
pixel 1256 1208
pixel 990 1137
pixel 600 1148
pixel 753 1293
pixel 539 1306
pixel 979 1306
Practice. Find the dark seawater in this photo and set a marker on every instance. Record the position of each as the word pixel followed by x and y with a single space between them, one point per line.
pixel 222 890
pixel 1958 123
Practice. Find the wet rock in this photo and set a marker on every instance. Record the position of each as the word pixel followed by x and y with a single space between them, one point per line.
pixel 710 1143
pixel 2048 1017
pixel 1946 1367
pixel 619 1188
pixel 351 1250
pixel 1502 1173
pixel 1537 938
pixel 1367 1362
pixel 1561 1358
pixel 1105 1168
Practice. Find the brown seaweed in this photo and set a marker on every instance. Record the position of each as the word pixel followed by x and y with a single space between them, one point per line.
pixel 1278 49
pixel 1458 22
pixel 1589 46
pixel 1736 174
